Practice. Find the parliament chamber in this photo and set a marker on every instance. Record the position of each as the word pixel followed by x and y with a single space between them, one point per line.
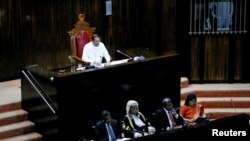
pixel 76 98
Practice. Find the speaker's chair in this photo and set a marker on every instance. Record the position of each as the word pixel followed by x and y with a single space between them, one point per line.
pixel 79 36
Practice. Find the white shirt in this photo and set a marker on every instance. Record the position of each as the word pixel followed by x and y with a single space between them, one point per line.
pixel 93 53
pixel 108 130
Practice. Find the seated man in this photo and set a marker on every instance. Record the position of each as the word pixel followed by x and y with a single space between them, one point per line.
pixel 134 123
pixel 191 111
pixel 107 129
pixel 167 118
pixel 95 52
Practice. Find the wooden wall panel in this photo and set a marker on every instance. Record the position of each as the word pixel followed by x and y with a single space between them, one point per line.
pixel 169 26
pixel 217 58
pixel 195 54
pixel 214 57
pixel 35 32
pixel 237 61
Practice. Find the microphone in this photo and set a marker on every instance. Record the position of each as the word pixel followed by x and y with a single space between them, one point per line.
pixel 136 58
pixel 124 54
pixel 139 58
pixel 232 102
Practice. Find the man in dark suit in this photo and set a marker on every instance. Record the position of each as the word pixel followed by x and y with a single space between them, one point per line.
pixel 107 129
pixel 167 118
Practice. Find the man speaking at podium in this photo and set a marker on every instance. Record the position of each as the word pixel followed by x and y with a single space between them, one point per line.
pixel 95 52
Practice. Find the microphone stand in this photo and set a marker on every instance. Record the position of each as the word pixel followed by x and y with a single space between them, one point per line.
pixel 129 57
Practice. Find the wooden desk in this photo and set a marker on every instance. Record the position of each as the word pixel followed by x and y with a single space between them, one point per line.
pixel 82 95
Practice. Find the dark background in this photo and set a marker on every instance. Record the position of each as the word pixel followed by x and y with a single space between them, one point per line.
pixel 35 32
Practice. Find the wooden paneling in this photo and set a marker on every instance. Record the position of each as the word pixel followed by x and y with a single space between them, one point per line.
pixel 237 60
pixel 35 31
pixel 195 51
pixel 217 58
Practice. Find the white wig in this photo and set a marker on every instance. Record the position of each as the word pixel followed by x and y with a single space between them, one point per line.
pixel 129 104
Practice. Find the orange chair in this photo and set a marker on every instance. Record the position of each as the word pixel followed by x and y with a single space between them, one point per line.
pixel 79 36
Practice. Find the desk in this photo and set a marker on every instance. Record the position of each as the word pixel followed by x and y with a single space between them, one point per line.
pixel 238 122
pixel 64 71
pixel 82 95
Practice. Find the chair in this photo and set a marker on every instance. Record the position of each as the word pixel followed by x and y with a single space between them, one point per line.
pixel 79 36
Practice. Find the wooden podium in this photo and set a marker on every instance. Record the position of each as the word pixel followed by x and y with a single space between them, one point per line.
pixel 80 96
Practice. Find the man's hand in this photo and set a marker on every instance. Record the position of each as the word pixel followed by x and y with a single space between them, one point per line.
pixel 97 63
pixel 173 111
pixel 136 135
